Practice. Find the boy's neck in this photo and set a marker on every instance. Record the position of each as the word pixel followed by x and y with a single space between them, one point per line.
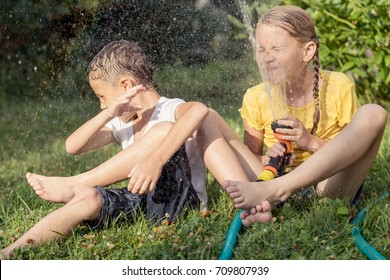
pixel 148 99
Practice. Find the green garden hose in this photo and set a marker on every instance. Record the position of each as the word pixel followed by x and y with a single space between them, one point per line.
pixel 362 244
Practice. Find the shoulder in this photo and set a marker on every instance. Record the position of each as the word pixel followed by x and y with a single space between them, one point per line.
pixel 164 102
pixel 255 90
pixel 256 95
pixel 334 77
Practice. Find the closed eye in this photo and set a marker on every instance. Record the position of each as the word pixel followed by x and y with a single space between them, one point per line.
pixel 259 49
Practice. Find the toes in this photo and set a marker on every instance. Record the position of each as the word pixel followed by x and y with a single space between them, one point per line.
pixel 240 205
pixel 266 206
pixel 247 222
pixel 238 200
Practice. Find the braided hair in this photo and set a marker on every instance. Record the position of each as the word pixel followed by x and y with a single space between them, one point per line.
pixel 300 26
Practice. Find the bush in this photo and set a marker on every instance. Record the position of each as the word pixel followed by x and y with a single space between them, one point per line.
pixel 354 38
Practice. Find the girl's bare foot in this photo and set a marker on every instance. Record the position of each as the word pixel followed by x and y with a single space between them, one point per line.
pixel 259 214
pixel 54 189
pixel 246 195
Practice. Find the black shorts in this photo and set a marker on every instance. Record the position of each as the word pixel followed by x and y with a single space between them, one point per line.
pixel 173 194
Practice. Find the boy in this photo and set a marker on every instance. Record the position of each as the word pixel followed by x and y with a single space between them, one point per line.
pixel 153 132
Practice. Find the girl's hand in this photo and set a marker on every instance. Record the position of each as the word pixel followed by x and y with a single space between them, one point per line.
pixel 297 134
pixel 121 107
pixel 276 150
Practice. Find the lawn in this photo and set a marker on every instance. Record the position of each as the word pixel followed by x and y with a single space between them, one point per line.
pixel 32 135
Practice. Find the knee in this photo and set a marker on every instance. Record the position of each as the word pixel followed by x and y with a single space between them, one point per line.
pixel 208 122
pixel 91 200
pixel 374 116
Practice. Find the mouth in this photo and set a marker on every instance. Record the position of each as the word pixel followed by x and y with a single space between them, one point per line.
pixel 270 68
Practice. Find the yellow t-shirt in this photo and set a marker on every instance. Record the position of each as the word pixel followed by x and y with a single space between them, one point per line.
pixel 338 104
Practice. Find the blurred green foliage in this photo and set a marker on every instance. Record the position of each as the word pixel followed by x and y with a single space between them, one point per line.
pixel 46 44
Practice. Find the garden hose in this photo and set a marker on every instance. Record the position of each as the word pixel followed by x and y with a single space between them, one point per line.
pixel 361 243
pixel 275 168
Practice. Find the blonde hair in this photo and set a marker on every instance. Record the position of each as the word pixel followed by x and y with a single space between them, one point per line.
pixel 300 26
pixel 121 58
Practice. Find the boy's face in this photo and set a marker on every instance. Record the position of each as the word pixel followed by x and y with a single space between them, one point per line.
pixel 106 92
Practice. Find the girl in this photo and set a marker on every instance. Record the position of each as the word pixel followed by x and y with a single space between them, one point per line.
pixel 335 142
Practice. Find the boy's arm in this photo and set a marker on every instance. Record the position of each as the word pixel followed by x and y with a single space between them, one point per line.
pixel 144 175
pixel 90 135
pixel 93 134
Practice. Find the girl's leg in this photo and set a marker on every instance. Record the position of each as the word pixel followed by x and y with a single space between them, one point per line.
pixel 342 164
pixel 224 154
pixel 63 189
pixel 85 206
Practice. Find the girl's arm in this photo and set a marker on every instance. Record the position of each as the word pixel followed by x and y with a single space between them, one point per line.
pixel 253 139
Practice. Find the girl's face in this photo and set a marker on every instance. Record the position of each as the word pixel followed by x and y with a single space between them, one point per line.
pixel 278 55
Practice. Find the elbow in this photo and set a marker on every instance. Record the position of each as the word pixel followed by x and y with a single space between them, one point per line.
pixel 70 149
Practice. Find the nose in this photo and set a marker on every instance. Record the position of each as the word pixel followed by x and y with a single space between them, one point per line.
pixel 268 57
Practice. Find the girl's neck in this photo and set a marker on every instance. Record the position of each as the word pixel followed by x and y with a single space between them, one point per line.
pixel 299 93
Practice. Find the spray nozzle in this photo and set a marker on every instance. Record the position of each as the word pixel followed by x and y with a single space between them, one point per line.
pixel 277 165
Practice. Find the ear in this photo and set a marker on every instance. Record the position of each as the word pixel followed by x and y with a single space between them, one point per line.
pixel 127 82
pixel 309 50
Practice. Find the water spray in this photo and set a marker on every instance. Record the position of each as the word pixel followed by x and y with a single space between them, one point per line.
pixel 275 168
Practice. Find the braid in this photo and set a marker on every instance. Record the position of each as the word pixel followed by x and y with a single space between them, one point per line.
pixel 316 66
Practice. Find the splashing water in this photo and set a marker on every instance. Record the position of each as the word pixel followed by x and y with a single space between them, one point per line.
pixel 277 92
pixel 248 22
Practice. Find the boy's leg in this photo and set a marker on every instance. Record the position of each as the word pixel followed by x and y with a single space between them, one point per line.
pixel 225 155
pixel 345 161
pixel 85 206
pixel 228 158
pixel 63 189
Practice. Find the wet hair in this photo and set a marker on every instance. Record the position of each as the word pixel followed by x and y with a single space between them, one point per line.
pixel 121 58
pixel 300 26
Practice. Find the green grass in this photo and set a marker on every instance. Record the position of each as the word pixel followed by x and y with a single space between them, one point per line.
pixel 32 136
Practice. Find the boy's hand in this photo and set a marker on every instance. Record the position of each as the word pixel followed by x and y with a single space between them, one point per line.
pixel 121 107
pixel 144 176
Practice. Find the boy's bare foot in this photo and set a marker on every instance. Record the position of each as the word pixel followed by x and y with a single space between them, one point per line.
pixel 259 214
pixel 54 189
pixel 4 255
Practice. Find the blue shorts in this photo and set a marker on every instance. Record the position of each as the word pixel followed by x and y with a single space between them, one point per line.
pixel 173 194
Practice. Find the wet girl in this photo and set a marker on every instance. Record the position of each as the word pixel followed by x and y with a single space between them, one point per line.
pixel 335 142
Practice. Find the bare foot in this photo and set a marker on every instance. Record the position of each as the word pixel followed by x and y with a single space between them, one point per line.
pixel 54 189
pixel 259 214
pixel 4 255
pixel 246 195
